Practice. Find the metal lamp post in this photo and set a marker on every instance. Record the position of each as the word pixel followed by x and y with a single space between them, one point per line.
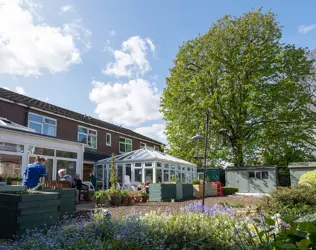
pixel 198 137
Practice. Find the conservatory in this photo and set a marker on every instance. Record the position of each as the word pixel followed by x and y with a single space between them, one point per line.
pixel 145 165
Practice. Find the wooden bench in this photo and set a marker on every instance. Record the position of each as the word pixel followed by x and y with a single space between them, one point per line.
pixel 57 184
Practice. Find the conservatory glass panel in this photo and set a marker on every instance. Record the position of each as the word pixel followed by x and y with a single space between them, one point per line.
pixel 149 175
pixel 119 173
pixel 166 175
pixel 158 175
pixel 148 164
pixel 138 175
pixel 183 177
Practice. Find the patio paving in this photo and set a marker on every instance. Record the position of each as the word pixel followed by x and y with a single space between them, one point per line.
pixel 117 212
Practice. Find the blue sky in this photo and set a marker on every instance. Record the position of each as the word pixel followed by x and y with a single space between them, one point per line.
pixel 63 51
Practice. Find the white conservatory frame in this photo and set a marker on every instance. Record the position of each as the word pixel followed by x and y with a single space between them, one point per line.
pixel 26 139
pixel 137 160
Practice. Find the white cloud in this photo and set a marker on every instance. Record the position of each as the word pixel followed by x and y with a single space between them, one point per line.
pixel 156 131
pixel 131 60
pixel 306 28
pixel 67 8
pixel 31 48
pixel 129 104
pixel 19 90
pixel 151 45
pixel 112 33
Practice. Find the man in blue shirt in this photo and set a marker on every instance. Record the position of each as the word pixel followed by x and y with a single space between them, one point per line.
pixel 35 173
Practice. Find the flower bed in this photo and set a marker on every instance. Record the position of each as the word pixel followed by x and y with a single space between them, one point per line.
pixel 193 227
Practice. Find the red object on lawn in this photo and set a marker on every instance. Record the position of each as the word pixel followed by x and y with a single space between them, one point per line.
pixel 219 189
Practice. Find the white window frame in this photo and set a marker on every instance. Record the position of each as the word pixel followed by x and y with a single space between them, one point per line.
pixel 106 139
pixel 145 145
pixel 125 144
pixel 156 148
pixel 43 122
pixel 88 129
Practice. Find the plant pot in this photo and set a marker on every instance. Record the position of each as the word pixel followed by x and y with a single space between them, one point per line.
pixel 130 199
pixel 100 201
pixel 125 200
pixel 144 198
pixel 13 182
pixel 115 200
pixel 137 198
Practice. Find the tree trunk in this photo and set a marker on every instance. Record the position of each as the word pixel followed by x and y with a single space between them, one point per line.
pixel 238 157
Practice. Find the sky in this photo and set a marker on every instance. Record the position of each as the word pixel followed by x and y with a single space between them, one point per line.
pixel 109 59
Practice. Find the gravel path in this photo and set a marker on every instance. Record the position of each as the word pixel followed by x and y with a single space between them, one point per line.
pixel 117 212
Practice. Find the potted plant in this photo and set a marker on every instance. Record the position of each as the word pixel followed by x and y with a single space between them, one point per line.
pixel 90 195
pixel 113 193
pixel 137 197
pixel 143 194
pixel 124 195
pixel 130 196
pixel 14 180
pixel 100 197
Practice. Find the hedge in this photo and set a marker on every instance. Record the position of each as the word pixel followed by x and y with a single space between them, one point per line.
pixel 229 190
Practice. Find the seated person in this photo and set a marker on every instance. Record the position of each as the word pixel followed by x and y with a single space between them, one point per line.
pixel 78 186
pixel 64 177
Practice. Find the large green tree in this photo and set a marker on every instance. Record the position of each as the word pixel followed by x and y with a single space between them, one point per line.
pixel 254 86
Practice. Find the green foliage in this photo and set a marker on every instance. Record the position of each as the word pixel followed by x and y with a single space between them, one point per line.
pixel 196 182
pixel 173 178
pixel 229 190
pixel 113 192
pixel 113 175
pixel 308 178
pixel 143 193
pixel 100 194
pixel 124 193
pixel 233 205
pixel 254 86
pixel 277 233
pixel 299 200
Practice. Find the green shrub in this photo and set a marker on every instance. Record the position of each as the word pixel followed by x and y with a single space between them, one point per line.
pixel 308 178
pixel 229 190
pixel 196 182
pixel 299 200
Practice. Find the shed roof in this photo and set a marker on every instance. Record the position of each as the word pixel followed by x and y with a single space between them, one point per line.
pixel 251 168
pixel 147 154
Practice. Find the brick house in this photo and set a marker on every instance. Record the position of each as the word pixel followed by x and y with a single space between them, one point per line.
pixel 101 138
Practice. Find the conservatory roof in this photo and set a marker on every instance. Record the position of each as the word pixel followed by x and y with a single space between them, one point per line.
pixel 148 154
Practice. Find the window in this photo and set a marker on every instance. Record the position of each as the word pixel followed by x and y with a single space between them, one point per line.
pixel 259 175
pixel 65 154
pixel 166 175
pixel 138 175
pixel 87 136
pixel 158 175
pixel 70 167
pixel 142 145
pixel 251 174
pixel 148 164
pixel 10 165
pixel 156 148
pixel 265 175
pixel 41 151
pixel 125 145
pixel 11 147
pixel 42 124
pixel 149 175
pixel 108 139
